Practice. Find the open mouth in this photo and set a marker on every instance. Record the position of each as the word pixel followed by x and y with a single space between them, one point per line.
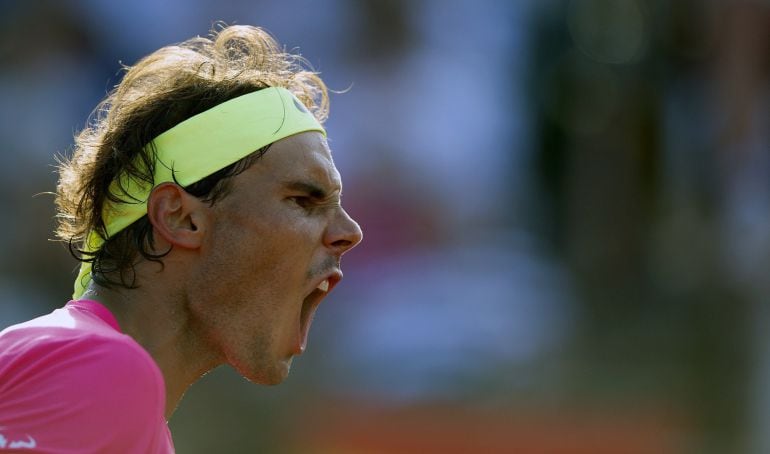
pixel 310 304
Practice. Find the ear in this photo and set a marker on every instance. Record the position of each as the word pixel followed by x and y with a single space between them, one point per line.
pixel 176 216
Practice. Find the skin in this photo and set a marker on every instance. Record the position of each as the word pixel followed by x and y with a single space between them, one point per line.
pixel 238 286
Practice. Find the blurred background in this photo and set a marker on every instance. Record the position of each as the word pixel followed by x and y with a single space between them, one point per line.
pixel 566 207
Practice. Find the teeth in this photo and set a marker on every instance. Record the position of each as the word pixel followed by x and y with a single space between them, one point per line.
pixel 324 286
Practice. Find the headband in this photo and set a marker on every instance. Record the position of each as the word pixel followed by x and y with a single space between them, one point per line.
pixel 198 147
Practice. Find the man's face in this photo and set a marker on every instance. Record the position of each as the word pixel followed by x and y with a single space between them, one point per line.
pixel 273 248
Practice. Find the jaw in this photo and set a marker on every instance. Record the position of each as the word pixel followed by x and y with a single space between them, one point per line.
pixel 256 335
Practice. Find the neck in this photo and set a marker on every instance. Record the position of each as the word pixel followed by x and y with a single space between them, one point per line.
pixel 162 325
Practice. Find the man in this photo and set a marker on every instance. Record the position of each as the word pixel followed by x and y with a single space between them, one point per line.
pixel 205 206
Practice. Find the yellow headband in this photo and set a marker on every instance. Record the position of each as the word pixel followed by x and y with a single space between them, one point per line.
pixel 200 146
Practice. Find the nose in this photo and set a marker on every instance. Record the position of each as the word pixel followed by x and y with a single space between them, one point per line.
pixel 343 233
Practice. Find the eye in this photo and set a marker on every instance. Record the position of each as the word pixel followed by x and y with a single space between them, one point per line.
pixel 301 201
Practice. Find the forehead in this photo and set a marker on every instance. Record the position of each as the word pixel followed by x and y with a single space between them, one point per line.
pixel 303 157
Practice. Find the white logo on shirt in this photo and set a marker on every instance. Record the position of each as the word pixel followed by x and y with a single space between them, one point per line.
pixel 29 443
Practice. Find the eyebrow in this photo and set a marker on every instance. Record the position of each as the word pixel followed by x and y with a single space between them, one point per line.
pixel 312 189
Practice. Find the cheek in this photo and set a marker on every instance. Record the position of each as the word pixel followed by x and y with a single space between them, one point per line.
pixel 258 256
pixel 237 263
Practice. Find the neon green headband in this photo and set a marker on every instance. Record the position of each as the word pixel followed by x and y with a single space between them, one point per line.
pixel 200 146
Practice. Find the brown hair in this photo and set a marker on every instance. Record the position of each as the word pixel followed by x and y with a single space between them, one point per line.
pixel 161 90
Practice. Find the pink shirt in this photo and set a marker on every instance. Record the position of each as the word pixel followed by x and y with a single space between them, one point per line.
pixel 71 382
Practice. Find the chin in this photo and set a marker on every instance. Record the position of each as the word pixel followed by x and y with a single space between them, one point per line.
pixel 269 376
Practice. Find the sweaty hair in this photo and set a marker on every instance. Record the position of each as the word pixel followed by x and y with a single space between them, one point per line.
pixel 160 91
